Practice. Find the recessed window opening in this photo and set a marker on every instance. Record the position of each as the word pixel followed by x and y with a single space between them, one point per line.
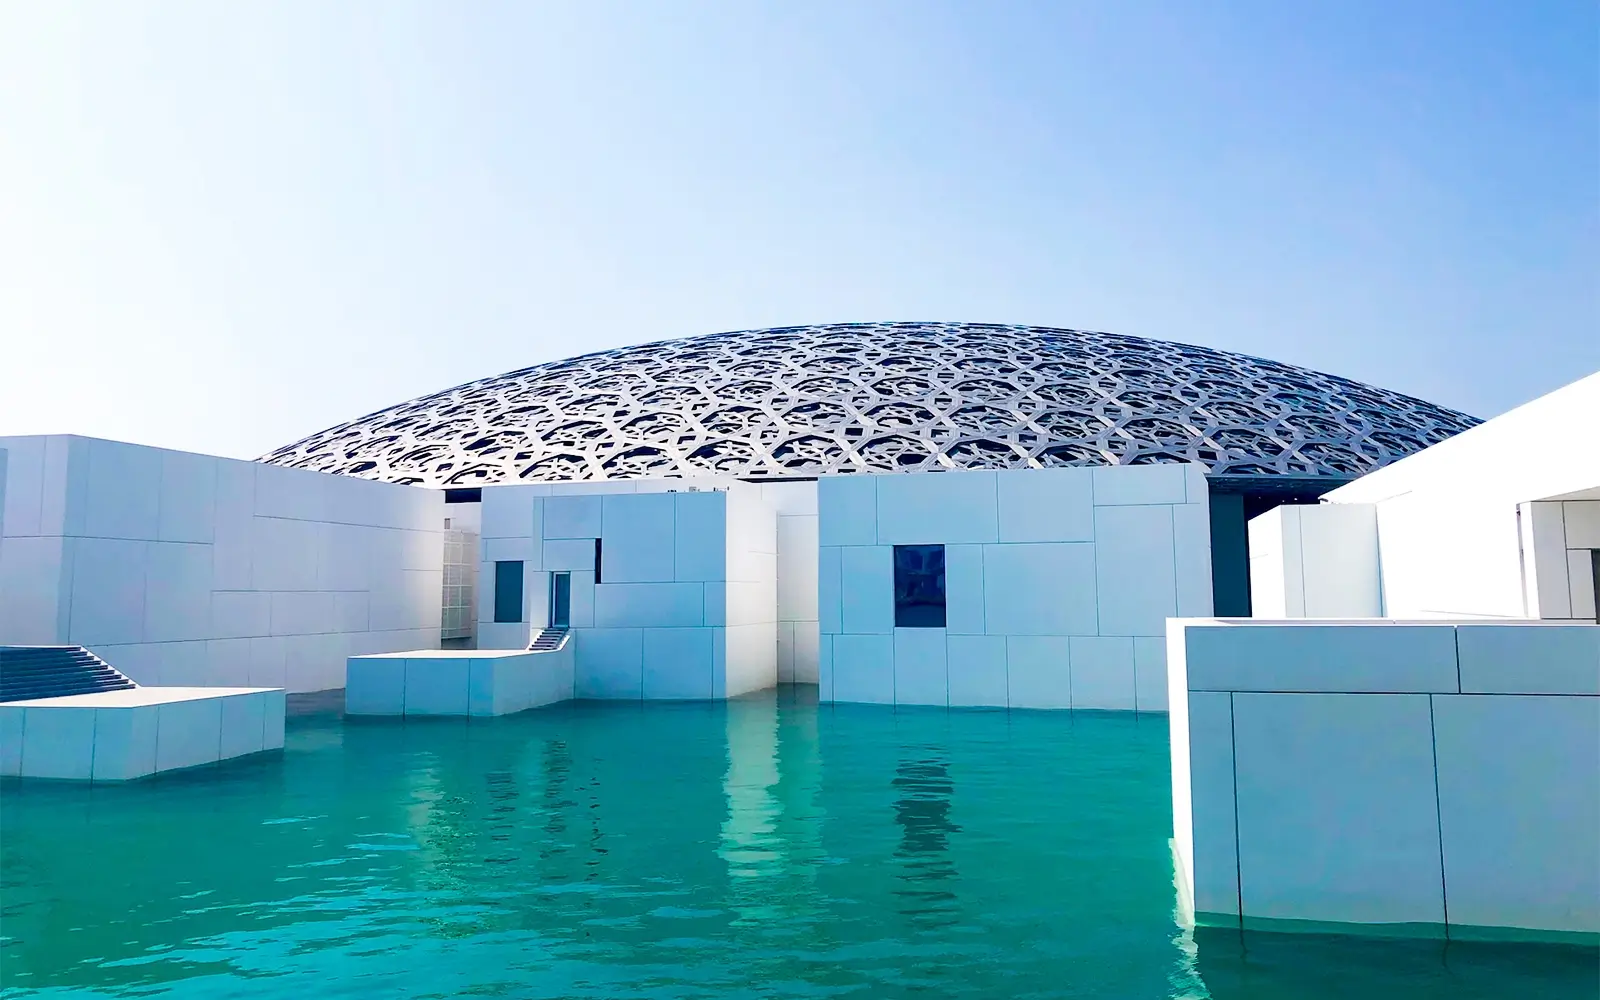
pixel 560 600
pixel 919 586
pixel 597 561
pixel 508 591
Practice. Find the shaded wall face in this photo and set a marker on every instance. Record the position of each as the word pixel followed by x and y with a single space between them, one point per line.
pixel 184 569
pixel 1057 585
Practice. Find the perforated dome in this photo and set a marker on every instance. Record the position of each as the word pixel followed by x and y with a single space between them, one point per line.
pixel 872 397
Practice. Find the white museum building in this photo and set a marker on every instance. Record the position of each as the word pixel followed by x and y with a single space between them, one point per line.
pixel 1335 591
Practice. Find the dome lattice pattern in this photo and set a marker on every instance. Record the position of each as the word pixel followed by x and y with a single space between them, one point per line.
pixel 806 401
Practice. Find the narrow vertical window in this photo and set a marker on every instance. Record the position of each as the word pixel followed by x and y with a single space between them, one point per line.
pixel 919 586
pixel 1594 570
pixel 508 591
pixel 597 561
pixel 560 600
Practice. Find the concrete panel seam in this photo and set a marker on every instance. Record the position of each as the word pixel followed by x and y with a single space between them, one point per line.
pixel 1438 817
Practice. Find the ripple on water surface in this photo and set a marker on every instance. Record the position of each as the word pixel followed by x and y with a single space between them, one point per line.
pixel 762 848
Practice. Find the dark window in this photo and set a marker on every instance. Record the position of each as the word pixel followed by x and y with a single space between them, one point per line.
pixel 597 561
pixel 1594 568
pixel 508 591
pixel 560 600
pixel 919 586
pixel 473 495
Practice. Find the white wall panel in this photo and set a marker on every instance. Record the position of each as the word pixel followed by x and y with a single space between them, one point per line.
pixel 1150 674
pixel 610 663
pixel 188 733
pixel 1120 485
pixel 1297 656
pixel 847 507
pixel 963 589
pixel 572 517
pixel 639 538
pixel 1191 547
pixel 1518 814
pixel 700 536
pixel 1046 505
pixel 1134 569
pixel 825 666
pixel 570 554
pixel 1581 519
pixel 797 568
pixel 177 592
pixel 26 486
pixel 1039 589
pixel 507 511
pixel 182 664
pixel 34 598
pixel 282 554
pixel 938 507
pixel 108 591
pixel 806 641
pixel 188 499
pixel 1528 659
pixel 830 589
pixel 867 589
pixel 1203 794
pixel 750 658
pixel 1102 673
pixel 624 605
pixel 1039 672
pixel 920 676
pixel 677 663
pixel 976 665
pixel 124 491
pixel 269 662
pixel 863 668
pixel 1336 808
pixel 227 662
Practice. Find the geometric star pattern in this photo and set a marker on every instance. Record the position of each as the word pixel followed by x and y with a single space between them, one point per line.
pixel 872 397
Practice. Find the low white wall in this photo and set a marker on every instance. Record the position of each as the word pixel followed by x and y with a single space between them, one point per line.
pixel 464 682
pixel 1315 561
pixel 184 569
pixel 687 603
pixel 128 734
pixel 1058 584
pixel 1388 773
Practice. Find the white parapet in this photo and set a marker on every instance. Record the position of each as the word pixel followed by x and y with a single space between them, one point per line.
pixel 1422 777
pixel 136 732
pixel 477 682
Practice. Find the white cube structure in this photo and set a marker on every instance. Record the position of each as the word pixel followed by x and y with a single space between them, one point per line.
pixel 671 588
pixel 185 569
pixel 137 732
pixel 1056 587
pixel 1403 776
pixel 476 682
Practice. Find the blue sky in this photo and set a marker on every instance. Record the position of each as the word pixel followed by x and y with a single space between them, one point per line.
pixel 224 226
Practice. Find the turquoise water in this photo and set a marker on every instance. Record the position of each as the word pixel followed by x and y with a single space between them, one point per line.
pixel 763 848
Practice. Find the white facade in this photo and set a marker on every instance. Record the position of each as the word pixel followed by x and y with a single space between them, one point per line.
pixel 1315 561
pixel 1400 773
pixel 190 570
pixel 1501 521
pixel 686 606
pixel 1058 585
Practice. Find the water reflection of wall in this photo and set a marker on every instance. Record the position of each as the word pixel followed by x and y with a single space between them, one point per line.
pixel 923 790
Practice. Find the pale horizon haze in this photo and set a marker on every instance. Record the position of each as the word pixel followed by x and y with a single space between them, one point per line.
pixel 226 226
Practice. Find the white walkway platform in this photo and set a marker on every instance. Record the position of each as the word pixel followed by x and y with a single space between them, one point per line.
pixel 480 682
pixel 1423 778
pixel 132 733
